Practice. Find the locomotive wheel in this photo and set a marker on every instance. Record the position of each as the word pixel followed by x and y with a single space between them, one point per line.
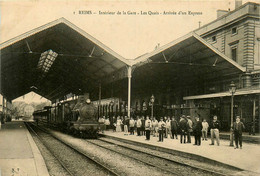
pixel 81 134
pixel 85 135
pixel 70 131
pixel 76 133
pixel 95 135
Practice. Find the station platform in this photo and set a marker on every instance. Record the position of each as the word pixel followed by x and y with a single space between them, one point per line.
pixel 19 154
pixel 247 158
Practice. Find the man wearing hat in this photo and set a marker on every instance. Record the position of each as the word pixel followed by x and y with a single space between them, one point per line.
pixel 214 131
pixel 148 126
pixel 161 128
pixel 197 131
pixel 238 128
pixel 183 128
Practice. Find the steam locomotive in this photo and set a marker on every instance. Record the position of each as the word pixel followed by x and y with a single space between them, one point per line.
pixel 77 117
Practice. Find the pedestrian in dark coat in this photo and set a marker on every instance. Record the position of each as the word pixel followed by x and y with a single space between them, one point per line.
pixel 114 123
pixel 183 128
pixel 164 132
pixel 122 124
pixel 174 127
pixel 252 127
pixel 143 126
pixel 197 131
pixel 214 131
pixel 238 129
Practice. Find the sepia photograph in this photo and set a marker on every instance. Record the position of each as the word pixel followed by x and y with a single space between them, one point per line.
pixel 129 88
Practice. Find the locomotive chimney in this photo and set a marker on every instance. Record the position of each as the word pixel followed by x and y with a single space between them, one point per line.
pixel 86 96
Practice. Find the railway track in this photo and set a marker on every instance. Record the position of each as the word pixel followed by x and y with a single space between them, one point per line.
pixel 121 164
pixel 71 159
pixel 174 165
pixel 33 132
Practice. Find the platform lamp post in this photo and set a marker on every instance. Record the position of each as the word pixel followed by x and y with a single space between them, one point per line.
pixel 232 90
pixel 152 101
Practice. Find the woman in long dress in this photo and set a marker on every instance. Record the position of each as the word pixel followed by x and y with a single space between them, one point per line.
pixel 118 125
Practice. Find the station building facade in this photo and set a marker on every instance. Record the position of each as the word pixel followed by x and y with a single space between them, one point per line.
pixel 236 34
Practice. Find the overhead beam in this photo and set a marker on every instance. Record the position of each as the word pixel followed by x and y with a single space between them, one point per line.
pixel 115 76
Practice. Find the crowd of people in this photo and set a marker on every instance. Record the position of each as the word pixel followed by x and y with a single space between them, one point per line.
pixel 169 127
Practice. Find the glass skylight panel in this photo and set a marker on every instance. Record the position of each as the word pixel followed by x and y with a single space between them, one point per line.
pixel 46 60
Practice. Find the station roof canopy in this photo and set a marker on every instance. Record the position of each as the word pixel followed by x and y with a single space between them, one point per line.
pixel 244 91
pixel 187 59
pixel 54 60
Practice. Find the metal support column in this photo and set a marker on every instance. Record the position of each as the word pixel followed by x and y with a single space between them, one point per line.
pixel 231 122
pixel 253 128
pixel 99 100
pixel 152 111
pixel 129 75
pixel 232 90
pixel 63 112
pixel 258 106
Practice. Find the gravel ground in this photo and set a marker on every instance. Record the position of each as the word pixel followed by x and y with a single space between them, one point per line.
pixel 189 161
pixel 120 164
pixel 53 165
pixel 76 163
pixel 221 168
